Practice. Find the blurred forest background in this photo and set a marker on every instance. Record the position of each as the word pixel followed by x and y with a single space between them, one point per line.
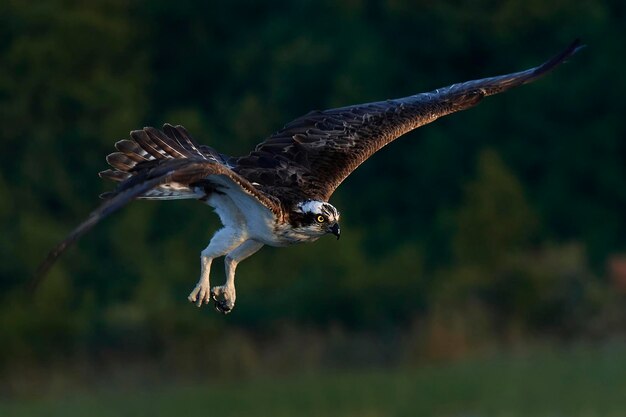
pixel 490 230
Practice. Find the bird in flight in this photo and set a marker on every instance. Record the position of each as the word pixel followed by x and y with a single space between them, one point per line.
pixel 277 194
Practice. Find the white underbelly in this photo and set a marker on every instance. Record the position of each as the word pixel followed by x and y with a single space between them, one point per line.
pixel 243 212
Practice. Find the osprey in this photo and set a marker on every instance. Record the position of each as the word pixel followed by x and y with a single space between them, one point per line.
pixel 277 194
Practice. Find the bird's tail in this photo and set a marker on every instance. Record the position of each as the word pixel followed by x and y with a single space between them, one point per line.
pixel 149 148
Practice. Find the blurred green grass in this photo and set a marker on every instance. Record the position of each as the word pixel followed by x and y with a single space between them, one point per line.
pixel 581 381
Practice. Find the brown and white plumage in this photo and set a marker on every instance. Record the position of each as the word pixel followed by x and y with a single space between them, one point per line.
pixel 278 194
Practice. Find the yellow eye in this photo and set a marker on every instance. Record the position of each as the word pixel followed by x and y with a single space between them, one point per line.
pixel 320 219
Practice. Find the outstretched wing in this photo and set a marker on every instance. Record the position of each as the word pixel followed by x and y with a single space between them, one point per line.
pixel 159 165
pixel 313 154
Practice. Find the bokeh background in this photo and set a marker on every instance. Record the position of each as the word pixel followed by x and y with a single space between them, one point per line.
pixel 482 265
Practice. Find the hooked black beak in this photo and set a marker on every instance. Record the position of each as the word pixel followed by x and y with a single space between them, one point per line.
pixel 334 229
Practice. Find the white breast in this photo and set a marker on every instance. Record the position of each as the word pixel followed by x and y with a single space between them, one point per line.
pixel 239 209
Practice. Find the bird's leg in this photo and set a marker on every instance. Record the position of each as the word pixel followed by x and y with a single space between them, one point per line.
pixel 223 242
pixel 224 295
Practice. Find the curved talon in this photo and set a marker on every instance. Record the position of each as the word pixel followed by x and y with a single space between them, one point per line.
pixel 222 302
pixel 221 307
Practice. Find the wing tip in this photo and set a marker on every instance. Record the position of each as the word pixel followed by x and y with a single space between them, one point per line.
pixel 575 46
pixel 44 267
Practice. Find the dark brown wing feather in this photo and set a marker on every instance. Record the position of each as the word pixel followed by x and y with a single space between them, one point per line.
pixel 313 154
pixel 149 147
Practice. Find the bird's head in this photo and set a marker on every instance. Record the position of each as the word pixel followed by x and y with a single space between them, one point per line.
pixel 317 218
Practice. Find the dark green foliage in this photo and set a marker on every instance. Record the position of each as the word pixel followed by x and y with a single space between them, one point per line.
pixel 509 210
